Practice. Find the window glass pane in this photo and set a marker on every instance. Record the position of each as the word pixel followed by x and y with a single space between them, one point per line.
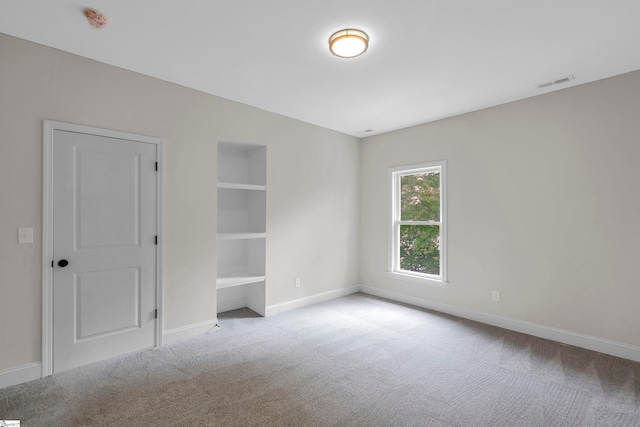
pixel 420 197
pixel 420 248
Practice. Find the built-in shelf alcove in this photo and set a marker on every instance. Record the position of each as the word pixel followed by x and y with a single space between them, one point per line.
pixel 241 242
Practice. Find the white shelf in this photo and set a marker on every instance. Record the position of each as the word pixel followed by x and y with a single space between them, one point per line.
pixel 228 282
pixel 237 186
pixel 241 236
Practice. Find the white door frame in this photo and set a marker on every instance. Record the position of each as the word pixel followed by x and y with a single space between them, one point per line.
pixel 49 126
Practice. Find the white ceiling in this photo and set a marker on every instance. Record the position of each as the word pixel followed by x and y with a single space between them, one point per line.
pixel 427 59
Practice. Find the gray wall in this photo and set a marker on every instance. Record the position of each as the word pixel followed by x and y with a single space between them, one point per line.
pixel 313 194
pixel 542 196
pixel 543 207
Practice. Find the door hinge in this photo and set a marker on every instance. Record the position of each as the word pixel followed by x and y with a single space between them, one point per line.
pixel 156 166
pixel 156 313
pixel 156 240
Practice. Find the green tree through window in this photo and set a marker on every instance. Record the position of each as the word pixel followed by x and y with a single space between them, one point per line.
pixel 417 220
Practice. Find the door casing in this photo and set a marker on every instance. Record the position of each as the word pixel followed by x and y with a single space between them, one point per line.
pixel 49 126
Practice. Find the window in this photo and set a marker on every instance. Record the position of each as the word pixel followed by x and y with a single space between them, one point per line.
pixel 417 228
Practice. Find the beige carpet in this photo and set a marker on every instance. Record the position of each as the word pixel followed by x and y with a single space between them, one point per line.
pixel 354 361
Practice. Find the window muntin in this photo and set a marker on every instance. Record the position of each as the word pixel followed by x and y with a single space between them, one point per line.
pixel 417 227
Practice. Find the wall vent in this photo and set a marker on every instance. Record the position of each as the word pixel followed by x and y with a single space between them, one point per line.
pixel 559 81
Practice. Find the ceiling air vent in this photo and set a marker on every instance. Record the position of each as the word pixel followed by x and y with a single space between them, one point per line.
pixel 557 81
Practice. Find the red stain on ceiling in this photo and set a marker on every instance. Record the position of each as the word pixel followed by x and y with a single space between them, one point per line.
pixel 95 18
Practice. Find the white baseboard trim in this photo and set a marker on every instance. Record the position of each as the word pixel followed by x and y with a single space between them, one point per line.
pixel 313 299
pixel 20 374
pixel 188 331
pixel 612 348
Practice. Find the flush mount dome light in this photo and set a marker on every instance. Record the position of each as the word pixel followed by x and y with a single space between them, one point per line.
pixel 348 43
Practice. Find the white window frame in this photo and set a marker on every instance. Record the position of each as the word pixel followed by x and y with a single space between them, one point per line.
pixel 395 174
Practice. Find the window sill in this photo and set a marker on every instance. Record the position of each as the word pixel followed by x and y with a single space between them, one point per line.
pixel 417 279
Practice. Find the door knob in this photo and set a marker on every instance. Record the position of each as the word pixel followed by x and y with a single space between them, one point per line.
pixel 63 263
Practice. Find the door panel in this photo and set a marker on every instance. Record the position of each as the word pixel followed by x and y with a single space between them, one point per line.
pixel 99 204
pixel 104 225
pixel 93 317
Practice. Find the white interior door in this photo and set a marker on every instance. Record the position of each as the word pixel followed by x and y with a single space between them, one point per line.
pixel 104 227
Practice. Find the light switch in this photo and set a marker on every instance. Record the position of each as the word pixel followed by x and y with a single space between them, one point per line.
pixel 25 235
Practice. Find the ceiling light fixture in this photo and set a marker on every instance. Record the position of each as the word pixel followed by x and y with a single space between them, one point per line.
pixel 348 43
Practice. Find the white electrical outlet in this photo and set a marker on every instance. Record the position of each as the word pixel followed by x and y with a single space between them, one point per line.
pixel 495 296
pixel 297 282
